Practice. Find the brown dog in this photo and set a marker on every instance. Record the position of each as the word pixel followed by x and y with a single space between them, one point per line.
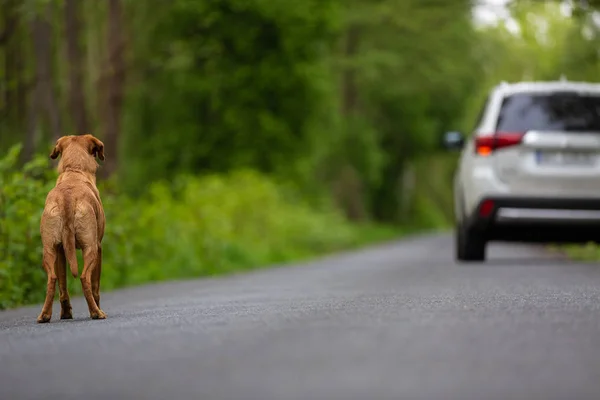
pixel 73 218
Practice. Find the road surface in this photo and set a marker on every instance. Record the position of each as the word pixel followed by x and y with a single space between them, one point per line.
pixel 397 321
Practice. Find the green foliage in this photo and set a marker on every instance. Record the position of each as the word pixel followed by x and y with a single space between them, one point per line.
pixel 229 84
pixel 213 86
pixel 433 206
pixel 586 252
pixel 241 80
pixel 270 120
pixel 214 224
pixel 22 195
pixel 190 227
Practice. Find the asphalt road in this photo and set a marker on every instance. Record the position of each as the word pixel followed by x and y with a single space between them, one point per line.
pixel 399 321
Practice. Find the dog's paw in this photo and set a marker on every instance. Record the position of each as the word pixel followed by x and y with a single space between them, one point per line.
pixel 66 312
pixel 43 318
pixel 98 315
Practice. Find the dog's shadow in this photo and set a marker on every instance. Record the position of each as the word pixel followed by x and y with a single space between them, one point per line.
pixel 81 318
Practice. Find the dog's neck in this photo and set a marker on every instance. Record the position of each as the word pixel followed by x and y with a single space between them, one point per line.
pixel 78 161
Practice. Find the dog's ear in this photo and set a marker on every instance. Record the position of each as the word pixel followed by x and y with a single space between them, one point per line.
pixel 96 147
pixel 58 148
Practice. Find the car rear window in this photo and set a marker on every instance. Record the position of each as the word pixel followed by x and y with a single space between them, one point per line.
pixel 562 111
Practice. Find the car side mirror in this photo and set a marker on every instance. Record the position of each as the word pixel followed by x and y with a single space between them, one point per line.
pixel 453 140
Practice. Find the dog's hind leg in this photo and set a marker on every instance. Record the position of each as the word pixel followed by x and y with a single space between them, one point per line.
pixel 48 263
pixel 90 263
pixel 96 277
pixel 66 312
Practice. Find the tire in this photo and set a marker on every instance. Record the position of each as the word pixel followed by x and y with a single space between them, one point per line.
pixel 470 245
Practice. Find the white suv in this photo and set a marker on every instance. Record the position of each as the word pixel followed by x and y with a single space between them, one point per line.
pixel 531 170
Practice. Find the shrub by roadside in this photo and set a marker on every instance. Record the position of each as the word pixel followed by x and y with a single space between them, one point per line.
pixel 587 252
pixel 21 201
pixel 190 227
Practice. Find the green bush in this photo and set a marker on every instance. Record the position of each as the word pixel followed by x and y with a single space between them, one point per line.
pixel 22 196
pixel 431 203
pixel 580 252
pixel 211 225
pixel 190 227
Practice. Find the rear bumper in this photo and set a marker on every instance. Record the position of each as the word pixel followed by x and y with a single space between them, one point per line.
pixel 552 215
pixel 541 220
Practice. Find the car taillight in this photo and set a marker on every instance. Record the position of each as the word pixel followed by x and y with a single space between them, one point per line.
pixel 486 145
pixel 486 208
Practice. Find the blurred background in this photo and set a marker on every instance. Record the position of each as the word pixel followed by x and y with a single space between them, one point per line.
pixel 243 133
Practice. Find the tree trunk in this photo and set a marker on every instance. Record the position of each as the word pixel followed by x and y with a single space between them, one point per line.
pixel 12 95
pixel 10 22
pixel 42 48
pixel 77 101
pixel 33 113
pixel 114 82
pixel 348 189
pixel 349 90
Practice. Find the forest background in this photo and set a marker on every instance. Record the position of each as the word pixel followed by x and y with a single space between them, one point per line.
pixel 248 133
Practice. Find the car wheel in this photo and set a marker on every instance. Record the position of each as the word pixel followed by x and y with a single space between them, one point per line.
pixel 470 246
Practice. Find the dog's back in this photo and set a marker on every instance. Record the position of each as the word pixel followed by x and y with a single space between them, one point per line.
pixel 73 216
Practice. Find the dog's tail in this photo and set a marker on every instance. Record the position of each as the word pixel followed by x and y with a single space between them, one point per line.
pixel 70 252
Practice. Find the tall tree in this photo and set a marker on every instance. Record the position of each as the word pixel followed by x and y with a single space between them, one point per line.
pixel 12 71
pixel 77 100
pixel 45 91
pixel 112 84
pixel 347 187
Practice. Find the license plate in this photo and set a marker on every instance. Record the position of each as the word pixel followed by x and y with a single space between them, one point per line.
pixel 575 159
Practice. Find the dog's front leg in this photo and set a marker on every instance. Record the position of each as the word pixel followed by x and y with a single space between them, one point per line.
pixel 48 263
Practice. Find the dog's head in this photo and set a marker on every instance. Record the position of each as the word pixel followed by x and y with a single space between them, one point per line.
pixel 89 143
